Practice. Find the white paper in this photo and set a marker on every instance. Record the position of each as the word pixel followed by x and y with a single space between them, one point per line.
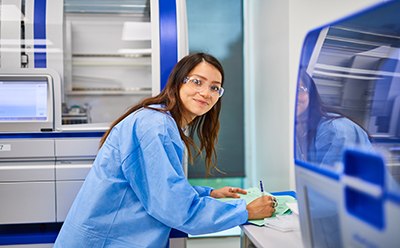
pixel 293 206
pixel 283 223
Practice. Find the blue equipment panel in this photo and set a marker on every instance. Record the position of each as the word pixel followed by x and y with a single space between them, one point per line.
pixel 347 131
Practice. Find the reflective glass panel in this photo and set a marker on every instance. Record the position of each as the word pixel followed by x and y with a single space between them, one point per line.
pixel 349 90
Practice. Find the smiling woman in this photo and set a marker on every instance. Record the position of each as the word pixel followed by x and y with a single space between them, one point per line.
pixel 197 96
pixel 138 178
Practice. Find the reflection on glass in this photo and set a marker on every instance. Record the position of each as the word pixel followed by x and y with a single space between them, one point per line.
pixel 349 89
pixel 348 98
pixel 322 133
pixel 324 220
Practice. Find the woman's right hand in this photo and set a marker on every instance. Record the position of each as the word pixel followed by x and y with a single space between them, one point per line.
pixel 261 207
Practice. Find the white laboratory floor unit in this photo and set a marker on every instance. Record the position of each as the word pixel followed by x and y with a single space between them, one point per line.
pixel 228 238
pixel 204 242
pixel 214 242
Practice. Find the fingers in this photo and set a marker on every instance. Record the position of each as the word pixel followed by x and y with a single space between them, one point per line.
pixel 275 202
pixel 262 207
pixel 269 208
pixel 234 192
pixel 269 201
pixel 268 198
pixel 237 190
pixel 241 191
pixel 272 203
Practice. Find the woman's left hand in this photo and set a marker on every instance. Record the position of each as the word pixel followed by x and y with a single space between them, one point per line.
pixel 227 192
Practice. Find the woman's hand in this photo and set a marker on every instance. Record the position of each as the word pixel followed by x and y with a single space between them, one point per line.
pixel 227 192
pixel 261 207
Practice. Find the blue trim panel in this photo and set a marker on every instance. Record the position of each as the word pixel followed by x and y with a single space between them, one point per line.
pixel 317 170
pixel 51 135
pixel 361 205
pixel 385 140
pixel 177 234
pixel 280 193
pixel 393 197
pixel 29 233
pixel 28 238
pixel 43 233
pixel 168 39
pixel 368 167
pixel 39 32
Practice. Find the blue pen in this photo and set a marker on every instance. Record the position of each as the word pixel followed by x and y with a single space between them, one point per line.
pixel 262 188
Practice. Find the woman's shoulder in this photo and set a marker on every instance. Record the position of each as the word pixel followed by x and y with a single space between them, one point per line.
pixel 343 122
pixel 342 126
pixel 147 118
pixel 152 112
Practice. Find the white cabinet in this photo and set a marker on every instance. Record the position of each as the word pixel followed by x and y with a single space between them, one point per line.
pixel 27 202
pixel 27 191
pixel 107 60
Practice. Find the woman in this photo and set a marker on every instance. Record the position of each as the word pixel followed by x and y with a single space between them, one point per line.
pixel 322 135
pixel 137 191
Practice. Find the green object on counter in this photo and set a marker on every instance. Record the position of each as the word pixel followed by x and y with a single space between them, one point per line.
pixel 253 193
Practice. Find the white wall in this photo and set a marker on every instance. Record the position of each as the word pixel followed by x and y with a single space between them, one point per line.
pixel 266 88
pixel 274 33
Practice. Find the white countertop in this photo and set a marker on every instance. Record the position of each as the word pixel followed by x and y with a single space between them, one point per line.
pixel 262 236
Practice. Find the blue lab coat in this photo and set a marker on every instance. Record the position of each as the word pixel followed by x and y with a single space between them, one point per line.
pixel 333 136
pixel 136 191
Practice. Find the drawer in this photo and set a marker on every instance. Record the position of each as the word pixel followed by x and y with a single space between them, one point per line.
pixel 77 147
pixel 26 148
pixel 27 202
pixel 73 170
pixel 27 171
pixel 66 193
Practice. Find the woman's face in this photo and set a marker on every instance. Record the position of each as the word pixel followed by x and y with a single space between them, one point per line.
pixel 198 100
pixel 303 99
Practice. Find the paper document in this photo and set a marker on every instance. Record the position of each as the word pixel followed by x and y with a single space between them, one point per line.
pixel 253 193
pixel 293 207
pixel 283 223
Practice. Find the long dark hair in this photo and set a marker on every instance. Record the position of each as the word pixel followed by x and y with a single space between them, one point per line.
pixel 317 110
pixel 207 125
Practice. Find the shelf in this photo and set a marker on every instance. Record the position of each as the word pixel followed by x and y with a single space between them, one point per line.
pixel 120 59
pixel 111 63
pixel 121 53
pixel 95 92
pixel 126 55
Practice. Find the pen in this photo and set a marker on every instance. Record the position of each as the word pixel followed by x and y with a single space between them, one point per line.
pixel 262 188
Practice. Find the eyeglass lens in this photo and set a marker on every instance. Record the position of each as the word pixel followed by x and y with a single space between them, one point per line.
pixel 303 89
pixel 199 85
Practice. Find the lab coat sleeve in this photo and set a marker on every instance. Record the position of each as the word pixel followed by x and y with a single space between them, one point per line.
pixel 203 190
pixel 154 171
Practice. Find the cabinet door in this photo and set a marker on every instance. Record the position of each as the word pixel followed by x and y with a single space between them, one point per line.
pixel 66 193
pixel 11 149
pixel 27 202
pixel 27 192
pixel 26 171
pixel 70 176
pixel 108 59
